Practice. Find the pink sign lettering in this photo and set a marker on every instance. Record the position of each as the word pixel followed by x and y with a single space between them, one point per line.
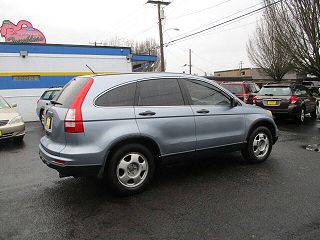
pixel 23 32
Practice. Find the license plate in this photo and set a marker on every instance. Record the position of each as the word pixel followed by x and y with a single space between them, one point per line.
pixel 0 133
pixel 48 123
pixel 272 103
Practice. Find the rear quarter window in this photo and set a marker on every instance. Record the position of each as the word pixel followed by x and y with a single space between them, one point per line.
pixel 120 96
pixel 70 91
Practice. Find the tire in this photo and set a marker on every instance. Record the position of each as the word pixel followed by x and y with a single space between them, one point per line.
pixel 259 146
pixel 41 117
pixel 313 114
pixel 18 140
pixel 300 118
pixel 130 169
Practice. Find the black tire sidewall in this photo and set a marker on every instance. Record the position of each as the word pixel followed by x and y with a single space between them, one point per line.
pixel 111 173
pixel 248 153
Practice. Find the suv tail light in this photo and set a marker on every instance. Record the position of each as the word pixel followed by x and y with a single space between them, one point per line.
pixel 293 99
pixel 73 122
pixel 254 99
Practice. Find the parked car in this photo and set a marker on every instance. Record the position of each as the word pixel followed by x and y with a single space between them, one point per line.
pixel 119 126
pixel 243 90
pixel 287 99
pixel 11 122
pixel 44 100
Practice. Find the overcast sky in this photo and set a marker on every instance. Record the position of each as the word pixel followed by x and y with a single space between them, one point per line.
pixel 81 22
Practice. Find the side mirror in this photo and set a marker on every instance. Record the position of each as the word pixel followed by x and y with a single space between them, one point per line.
pixel 14 105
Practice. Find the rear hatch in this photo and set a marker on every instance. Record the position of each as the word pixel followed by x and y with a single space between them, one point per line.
pixel 274 97
pixel 56 140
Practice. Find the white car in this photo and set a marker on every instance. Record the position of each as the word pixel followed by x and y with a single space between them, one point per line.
pixel 44 100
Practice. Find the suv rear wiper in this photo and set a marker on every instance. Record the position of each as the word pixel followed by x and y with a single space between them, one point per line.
pixel 55 102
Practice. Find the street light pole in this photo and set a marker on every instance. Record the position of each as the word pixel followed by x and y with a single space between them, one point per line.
pixel 159 3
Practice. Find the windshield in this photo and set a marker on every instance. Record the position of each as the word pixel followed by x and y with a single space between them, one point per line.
pixel 3 103
pixel 50 94
pixel 234 88
pixel 275 91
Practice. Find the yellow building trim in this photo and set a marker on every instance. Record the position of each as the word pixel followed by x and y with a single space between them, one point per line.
pixel 10 74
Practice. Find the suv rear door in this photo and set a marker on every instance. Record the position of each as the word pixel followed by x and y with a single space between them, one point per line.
pixel 217 122
pixel 162 115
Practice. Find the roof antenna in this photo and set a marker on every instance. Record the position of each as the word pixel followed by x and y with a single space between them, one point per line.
pixel 90 69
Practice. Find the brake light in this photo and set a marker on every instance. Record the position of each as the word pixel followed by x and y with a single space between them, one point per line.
pixel 293 99
pixel 73 122
pixel 60 162
pixel 254 99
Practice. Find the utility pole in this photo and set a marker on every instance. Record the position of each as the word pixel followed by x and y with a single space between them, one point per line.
pixel 190 61
pixel 240 67
pixel 160 18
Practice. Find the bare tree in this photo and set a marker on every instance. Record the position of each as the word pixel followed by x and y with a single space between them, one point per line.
pixel 265 51
pixel 148 46
pixel 300 34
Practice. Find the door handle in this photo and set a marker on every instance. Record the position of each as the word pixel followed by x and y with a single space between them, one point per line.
pixel 203 111
pixel 147 113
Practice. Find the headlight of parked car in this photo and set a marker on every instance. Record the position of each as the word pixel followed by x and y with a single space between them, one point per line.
pixel 16 120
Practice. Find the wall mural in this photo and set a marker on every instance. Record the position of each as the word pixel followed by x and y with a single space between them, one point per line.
pixel 23 32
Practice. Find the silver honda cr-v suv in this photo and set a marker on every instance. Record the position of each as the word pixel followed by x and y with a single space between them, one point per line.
pixel 119 126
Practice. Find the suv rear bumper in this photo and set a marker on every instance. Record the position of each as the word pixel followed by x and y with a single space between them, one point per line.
pixel 66 170
pixel 291 110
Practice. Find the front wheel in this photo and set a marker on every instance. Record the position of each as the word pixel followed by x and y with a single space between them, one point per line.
pixel 130 169
pixel 259 146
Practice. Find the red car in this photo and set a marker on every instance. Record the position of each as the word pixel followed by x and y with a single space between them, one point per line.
pixel 243 90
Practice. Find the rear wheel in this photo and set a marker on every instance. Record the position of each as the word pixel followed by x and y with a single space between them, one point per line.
pixel 313 114
pixel 130 169
pixel 301 116
pixel 259 146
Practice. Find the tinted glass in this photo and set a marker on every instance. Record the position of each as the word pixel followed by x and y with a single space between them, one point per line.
pixel 70 91
pixel 234 88
pixel 204 94
pixel 46 95
pixel 160 92
pixel 299 91
pixel 252 88
pixel 3 103
pixel 275 91
pixel 120 96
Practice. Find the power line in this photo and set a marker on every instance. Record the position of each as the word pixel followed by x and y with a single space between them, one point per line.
pixel 221 19
pixel 223 23
pixel 202 10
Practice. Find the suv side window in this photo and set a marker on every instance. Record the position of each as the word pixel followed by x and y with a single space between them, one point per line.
pixel 205 94
pixel 120 96
pixel 300 91
pixel 160 92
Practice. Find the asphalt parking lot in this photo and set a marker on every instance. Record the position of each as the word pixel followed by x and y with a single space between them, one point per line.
pixel 216 198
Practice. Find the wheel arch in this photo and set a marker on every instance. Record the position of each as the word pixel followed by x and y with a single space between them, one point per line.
pixel 264 123
pixel 143 140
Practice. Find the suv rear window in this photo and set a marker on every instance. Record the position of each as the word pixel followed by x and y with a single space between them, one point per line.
pixel 234 88
pixel 70 91
pixel 275 91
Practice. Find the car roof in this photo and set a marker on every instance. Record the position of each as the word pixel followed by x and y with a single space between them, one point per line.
pixel 237 83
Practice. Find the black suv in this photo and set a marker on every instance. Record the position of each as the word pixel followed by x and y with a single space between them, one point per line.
pixel 287 99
